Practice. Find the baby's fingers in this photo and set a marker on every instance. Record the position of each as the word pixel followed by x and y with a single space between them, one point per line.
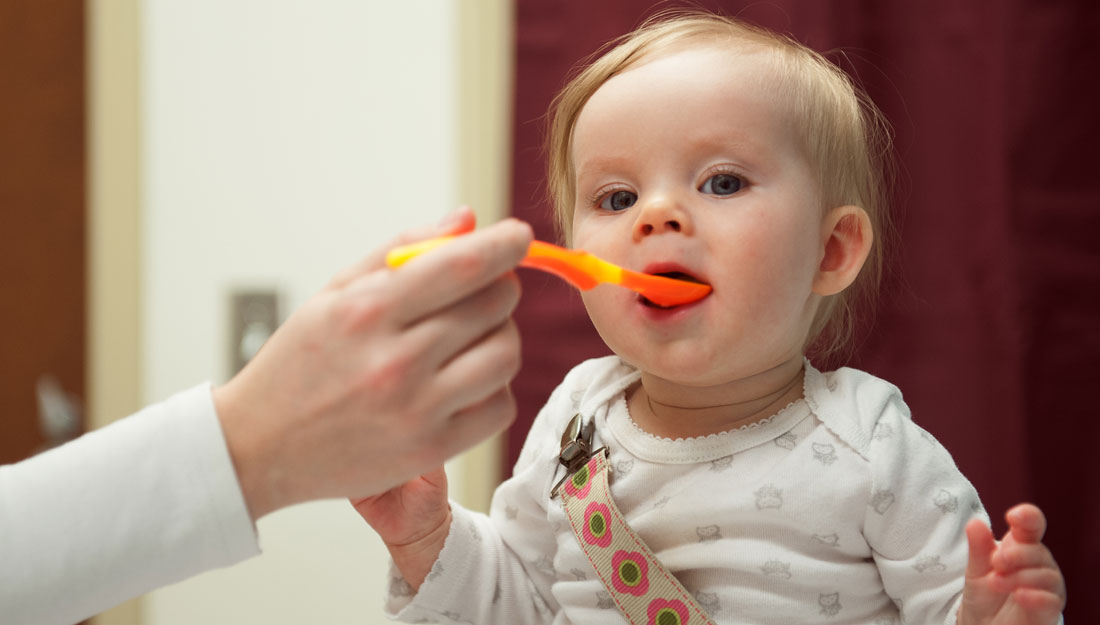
pixel 1031 575
pixel 1041 593
pixel 1026 523
pixel 1043 579
pixel 1041 605
pixel 982 546
pixel 1011 557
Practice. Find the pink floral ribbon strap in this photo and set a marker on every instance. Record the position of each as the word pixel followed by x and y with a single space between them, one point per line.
pixel 645 592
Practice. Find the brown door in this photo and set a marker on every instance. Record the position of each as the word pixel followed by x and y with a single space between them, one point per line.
pixel 42 208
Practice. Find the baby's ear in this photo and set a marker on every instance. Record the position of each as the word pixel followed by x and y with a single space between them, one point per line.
pixel 846 241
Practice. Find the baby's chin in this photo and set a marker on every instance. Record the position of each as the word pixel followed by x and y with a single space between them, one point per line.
pixel 693 368
pixel 683 369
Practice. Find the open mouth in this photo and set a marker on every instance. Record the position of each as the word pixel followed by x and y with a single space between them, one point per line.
pixel 675 275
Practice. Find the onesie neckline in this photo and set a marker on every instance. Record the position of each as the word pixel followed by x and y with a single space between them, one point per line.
pixel 652 448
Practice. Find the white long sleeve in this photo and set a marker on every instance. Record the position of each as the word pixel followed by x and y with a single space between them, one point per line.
pixel 147 501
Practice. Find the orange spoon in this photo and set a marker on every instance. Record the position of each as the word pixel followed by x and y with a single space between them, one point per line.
pixel 581 269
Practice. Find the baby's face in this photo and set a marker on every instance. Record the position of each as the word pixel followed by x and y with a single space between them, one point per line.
pixel 688 164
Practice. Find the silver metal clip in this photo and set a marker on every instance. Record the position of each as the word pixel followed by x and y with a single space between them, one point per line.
pixel 576 449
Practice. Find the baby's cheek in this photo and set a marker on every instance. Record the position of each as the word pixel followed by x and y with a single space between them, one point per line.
pixel 606 315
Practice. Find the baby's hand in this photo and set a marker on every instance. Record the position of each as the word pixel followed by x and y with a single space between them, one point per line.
pixel 413 520
pixel 1015 581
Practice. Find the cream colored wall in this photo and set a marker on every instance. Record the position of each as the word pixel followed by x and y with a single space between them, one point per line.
pixel 114 365
pixel 484 120
pixel 253 143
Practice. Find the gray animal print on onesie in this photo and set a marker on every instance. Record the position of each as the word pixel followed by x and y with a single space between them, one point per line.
pixel 830 604
pixel 769 496
pixel 708 533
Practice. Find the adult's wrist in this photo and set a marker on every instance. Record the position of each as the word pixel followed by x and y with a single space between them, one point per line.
pixel 245 441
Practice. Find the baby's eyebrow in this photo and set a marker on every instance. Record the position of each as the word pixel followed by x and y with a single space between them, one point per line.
pixel 725 140
pixel 601 165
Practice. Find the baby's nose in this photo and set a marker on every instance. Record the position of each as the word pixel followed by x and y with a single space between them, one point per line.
pixel 671 224
pixel 661 216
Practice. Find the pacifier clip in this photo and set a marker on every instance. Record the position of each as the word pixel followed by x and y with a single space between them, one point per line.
pixel 642 588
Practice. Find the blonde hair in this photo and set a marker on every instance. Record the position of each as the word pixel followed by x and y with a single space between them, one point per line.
pixel 844 136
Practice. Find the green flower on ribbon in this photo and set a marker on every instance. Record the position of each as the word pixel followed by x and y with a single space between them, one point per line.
pixel 597 524
pixel 631 572
pixel 581 482
pixel 667 612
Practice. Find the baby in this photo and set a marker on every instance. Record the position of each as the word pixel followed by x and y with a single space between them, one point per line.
pixel 709 150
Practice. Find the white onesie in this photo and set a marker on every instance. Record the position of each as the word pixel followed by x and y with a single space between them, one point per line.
pixel 838 509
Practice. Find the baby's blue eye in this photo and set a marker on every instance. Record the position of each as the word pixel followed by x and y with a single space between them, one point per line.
pixel 721 184
pixel 618 201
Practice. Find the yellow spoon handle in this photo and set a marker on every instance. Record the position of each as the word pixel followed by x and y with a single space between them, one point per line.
pixel 579 268
pixel 400 255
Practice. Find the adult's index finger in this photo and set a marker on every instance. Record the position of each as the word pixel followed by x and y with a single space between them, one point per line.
pixel 458 222
pixel 438 279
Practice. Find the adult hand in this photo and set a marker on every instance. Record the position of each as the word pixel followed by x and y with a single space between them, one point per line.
pixel 383 375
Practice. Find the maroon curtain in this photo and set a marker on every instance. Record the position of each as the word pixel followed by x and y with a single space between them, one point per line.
pixel 990 320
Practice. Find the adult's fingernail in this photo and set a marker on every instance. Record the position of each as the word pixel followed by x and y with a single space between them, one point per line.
pixel 454 217
pixel 448 220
